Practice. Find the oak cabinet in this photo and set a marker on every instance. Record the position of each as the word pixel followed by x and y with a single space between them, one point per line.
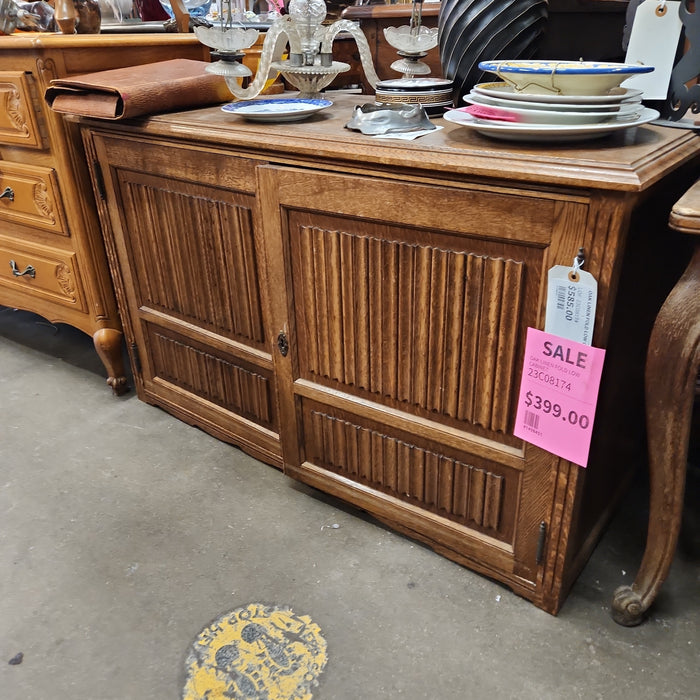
pixel 52 258
pixel 356 310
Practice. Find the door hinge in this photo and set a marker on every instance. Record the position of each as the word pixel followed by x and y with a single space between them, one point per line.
pixel 99 179
pixel 539 555
pixel 135 358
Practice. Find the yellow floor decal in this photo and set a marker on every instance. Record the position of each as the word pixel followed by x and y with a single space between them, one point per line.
pixel 256 653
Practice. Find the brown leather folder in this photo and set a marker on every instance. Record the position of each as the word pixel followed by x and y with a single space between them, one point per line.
pixel 122 93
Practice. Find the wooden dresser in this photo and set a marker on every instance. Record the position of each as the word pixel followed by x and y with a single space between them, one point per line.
pixel 52 259
pixel 355 310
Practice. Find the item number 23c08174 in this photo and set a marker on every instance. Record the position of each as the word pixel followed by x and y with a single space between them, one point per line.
pixel 546 406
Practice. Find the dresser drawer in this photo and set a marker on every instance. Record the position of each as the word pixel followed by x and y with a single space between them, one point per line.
pixel 41 271
pixel 19 121
pixel 31 197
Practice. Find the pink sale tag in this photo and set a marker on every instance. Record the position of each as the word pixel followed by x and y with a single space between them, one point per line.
pixel 558 395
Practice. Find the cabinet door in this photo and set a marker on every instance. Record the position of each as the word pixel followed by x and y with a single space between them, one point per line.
pixel 183 227
pixel 405 317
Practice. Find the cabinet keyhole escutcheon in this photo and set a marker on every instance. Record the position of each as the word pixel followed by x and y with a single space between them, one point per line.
pixel 283 344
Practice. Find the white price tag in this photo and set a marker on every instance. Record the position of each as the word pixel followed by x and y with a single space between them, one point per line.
pixel 572 295
pixel 654 38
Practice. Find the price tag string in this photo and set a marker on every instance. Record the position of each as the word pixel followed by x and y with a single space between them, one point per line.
pixel 572 295
pixel 577 265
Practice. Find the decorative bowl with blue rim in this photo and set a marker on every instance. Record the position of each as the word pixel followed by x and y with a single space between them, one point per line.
pixel 563 77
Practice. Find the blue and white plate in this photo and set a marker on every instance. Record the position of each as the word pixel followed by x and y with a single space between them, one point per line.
pixel 283 109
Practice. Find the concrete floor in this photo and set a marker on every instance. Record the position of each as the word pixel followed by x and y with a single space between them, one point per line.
pixel 124 532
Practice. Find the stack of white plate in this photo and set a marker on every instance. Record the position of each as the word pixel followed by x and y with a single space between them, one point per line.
pixel 498 110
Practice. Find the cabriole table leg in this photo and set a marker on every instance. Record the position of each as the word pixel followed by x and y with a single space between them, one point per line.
pixel 673 361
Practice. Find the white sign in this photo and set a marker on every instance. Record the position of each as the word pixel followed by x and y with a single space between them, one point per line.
pixel 656 31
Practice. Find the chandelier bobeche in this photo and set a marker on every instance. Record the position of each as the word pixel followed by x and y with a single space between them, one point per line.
pixel 412 42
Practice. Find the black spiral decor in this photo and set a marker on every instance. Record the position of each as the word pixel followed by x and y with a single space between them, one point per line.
pixel 470 31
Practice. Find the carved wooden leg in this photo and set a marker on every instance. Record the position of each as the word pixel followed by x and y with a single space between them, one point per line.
pixel 673 361
pixel 108 343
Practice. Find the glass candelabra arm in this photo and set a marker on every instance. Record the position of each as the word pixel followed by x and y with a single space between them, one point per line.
pixel 272 50
pixel 352 28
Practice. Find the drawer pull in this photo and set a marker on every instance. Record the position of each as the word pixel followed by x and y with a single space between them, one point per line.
pixel 8 193
pixel 29 270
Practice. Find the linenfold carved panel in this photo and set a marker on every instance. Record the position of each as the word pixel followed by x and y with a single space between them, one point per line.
pixel 461 492
pixel 432 328
pixel 196 260
pixel 228 385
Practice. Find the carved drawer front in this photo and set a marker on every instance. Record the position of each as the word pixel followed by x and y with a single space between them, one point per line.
pixel 19 122
pixel 462 491
pixel 30 197
pixel 42 271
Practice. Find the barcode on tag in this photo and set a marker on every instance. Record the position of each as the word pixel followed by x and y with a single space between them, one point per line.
pixel 561 298
pixel 532 420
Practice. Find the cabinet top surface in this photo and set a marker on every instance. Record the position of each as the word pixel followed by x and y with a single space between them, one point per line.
pixel 628 160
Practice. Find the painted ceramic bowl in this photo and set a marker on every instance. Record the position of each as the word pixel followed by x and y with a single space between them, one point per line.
pixel 563 77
